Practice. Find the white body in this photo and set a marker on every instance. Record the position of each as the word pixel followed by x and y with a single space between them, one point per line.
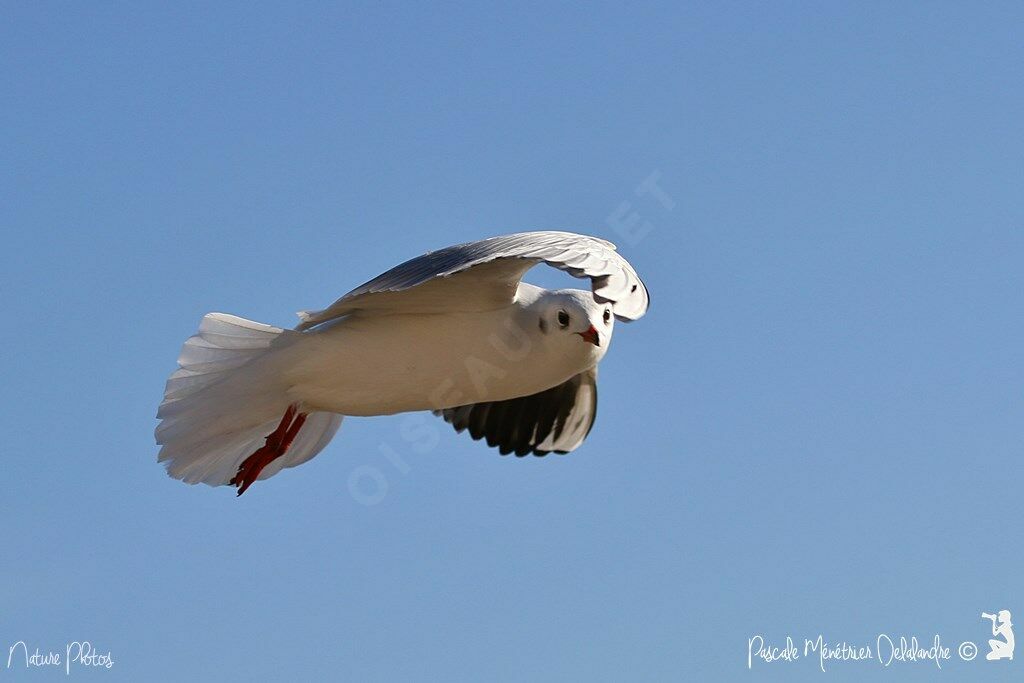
pixel 380 365
pixel 238 377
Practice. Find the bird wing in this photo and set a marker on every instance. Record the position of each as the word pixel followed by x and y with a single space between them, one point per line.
pixel 485 275
pixel 557 419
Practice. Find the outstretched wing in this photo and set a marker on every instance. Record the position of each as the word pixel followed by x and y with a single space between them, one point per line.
pixel 484 275
pixel 557 419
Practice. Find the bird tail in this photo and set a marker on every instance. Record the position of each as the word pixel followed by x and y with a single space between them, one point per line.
pixel 226 397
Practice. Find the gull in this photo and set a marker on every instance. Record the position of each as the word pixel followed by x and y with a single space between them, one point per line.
pixel 454 331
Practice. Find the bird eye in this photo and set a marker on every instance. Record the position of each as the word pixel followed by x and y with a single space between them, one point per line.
pixel 607 316
pixel 563 318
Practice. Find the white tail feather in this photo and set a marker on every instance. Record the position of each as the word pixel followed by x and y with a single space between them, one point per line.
pixel 224 400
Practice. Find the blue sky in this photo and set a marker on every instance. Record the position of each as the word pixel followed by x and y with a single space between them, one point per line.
pixel 816 429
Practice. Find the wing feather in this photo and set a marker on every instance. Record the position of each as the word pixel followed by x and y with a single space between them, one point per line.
pixel 484 275
pixel 555 420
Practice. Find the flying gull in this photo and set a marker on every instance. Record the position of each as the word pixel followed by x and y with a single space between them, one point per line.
pixel 454 331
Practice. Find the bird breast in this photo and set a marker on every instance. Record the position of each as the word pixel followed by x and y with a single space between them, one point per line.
pixel 385 364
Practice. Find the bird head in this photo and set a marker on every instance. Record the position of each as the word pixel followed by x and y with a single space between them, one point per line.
pixel 572 320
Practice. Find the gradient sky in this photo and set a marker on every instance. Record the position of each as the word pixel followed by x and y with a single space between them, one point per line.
pixel 816 429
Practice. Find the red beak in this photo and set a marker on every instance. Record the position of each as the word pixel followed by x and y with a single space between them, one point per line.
pixel 590 336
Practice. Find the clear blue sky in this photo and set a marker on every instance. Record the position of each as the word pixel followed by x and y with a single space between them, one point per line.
pixel 816 429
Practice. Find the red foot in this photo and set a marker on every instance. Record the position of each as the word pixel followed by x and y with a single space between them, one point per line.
pixel 277 445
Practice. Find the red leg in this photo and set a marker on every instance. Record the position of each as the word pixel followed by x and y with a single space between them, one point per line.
pixel 277 445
